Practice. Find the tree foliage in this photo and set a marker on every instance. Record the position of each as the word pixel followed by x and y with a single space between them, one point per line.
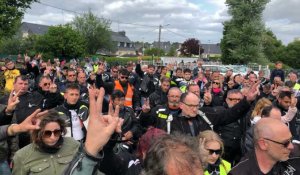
pixel 172 51
pixel 61 41
pixel 191 47
pixel 154 51
pixel 11 14
pixel 95 31
pixel 272 47
pixel 291 55
pixel 242 35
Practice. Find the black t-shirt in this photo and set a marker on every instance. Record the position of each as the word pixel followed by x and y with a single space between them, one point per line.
pixel 249 166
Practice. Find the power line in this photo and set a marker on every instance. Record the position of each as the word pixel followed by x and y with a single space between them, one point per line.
pixel 175 33
pixel 115 21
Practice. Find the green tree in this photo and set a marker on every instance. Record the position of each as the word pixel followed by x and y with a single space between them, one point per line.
pixel 172 51
pixel 95 31
pixel 242 35
pixel 61 41
pixel 11 14
pixel 154 51
pixel 292 55
pixel 10 46
pixel 272 47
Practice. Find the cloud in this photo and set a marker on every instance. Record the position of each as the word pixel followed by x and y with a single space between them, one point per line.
pixel 186 18
pixel 282 17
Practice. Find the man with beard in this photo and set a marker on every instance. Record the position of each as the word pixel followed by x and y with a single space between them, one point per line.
pixel 132 98
pixel 283 102
pixel 161 116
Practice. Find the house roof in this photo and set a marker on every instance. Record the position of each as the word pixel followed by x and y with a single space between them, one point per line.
pixel 38 29
pixel 211 48
pixel 120 37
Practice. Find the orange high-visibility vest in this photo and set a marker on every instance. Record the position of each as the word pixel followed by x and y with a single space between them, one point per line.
pixel 128 95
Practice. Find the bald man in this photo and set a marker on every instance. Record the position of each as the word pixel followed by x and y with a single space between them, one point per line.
pixel 272 140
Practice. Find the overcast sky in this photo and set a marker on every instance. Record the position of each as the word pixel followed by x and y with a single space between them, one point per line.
pixel 181 19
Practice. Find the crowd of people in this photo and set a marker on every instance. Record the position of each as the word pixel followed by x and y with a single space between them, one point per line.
pixel 61 117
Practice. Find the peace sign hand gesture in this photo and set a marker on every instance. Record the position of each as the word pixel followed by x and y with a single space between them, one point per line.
pixel 100 127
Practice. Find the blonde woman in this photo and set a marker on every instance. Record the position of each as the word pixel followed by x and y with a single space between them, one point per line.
pixel 263 102
pixel 211 149
pixel 256 113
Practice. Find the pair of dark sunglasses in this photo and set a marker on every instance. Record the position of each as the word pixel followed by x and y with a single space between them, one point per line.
pixel 217 83
pixel 234 99
pixel 284 144
pixel 124 77
pixel 212 151
pixel 48 134
pixel 46 84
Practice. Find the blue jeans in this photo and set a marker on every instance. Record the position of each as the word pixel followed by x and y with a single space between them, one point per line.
pixel 4 168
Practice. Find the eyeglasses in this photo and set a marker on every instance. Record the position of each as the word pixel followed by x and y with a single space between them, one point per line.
pixel 46 84
pixel 234 99
pixel 122 77
pixel 73 75
pixel 191 105
pixel 212 151
pixel 173 96
pixel 284 144
pixel 48 134
pixel 216 83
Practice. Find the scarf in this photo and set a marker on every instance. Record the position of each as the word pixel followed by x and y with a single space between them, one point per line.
pixel 216 90
pixel 51 149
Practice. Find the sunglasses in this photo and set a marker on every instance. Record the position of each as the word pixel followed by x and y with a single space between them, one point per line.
pixel 234 99
pixel 46 84
pixel 216 83
pixel 48 134
pixel 212 151
pixel 124 77
pixel 284 144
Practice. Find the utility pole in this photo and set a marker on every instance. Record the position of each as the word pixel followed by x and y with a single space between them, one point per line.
pixel 199 49
pixel 159 35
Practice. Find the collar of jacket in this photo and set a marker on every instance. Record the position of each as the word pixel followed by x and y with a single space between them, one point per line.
pixel 69 106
